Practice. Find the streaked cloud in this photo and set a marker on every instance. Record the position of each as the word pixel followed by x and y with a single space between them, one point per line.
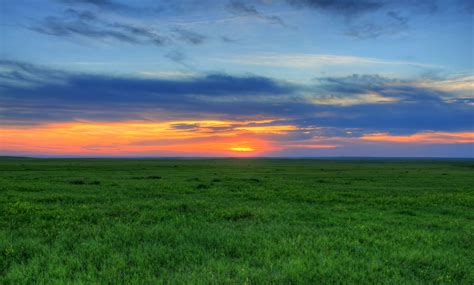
pixel 308 61
pixel 393 24
pixel 103 4
pixel 168 74
pixel 310 146
pixel 357 99
pixel 460 84
pixel 83 23
pixel 243 8
pixel 423 138
pixel 189 36
pixel 344 7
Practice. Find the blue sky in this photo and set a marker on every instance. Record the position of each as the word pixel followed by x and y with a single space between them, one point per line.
pixel 345 77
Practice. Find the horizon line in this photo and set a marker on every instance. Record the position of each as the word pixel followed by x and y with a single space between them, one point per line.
pixel 248 157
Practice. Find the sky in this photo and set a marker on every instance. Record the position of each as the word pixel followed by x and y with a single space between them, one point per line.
pixel 237 78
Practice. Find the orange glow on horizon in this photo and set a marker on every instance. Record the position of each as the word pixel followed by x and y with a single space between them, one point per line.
pixel 185 138
pixel 203 138
pixel 315 146
pixel 242 149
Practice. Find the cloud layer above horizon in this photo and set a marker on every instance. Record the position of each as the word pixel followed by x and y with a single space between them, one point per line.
pixel 238 78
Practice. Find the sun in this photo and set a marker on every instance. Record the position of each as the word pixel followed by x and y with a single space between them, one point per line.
pixel 242 149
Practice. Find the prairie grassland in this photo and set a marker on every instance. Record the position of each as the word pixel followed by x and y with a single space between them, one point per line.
pixel 127 221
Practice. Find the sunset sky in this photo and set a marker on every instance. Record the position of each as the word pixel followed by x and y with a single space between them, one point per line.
pixel 277 78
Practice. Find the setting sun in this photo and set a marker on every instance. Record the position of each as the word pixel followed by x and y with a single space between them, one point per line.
pixel 242 149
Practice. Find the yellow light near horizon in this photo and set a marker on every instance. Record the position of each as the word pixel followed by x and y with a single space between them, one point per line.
pixel 136 138
pixel 242 149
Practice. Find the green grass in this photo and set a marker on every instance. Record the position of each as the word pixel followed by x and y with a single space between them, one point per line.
pixel 236 221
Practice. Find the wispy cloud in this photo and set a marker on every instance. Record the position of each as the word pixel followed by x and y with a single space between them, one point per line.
pixel 113 6
pixel 89 25
pixel 105 4
pixel 189 36
pixel 463 84
pixel 371 19
pixel 85 24
pixel 423 137
pixel 394 23
pixel 242 8
pixel 343 7
pixel 227 39
pixel 302 61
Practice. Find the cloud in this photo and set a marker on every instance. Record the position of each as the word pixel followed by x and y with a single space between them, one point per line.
pixel 98 3
pixel 423 137
pixel 393 23
pixel 88 24
pixel 365 102
pixel 20 74
pixel 226 39
pixel 185 126
pixel 171 74
pixel 460 86
pixel 313 60
pixel 369 19
pixel 405 108
pixel 88 96
pixel 110 6
pixel 344 7
pixel 75 23
pixel 150 35
pixel 354 84
pixel 357 8
pixel 177 56
pixel 189 36
pixel 244 9
pixel 356 99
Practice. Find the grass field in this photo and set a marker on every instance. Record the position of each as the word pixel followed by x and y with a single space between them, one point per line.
pixel 236 221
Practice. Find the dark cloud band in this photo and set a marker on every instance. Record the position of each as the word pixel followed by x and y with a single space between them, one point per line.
pixel 31 94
